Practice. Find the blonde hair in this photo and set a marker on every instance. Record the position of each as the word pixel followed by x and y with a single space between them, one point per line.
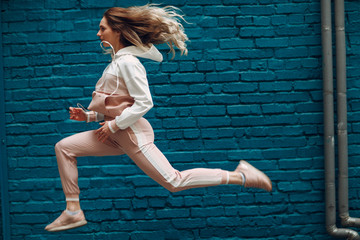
pixel 149 24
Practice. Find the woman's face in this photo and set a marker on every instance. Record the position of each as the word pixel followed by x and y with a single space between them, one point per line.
pixel 107 34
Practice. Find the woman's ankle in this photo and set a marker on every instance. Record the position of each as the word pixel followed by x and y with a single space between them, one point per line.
pixel 236 178
pixel 73 206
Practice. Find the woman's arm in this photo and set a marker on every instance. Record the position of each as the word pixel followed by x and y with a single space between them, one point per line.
pixel 134 75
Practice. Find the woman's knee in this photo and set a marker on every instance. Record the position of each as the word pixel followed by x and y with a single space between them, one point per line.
pixel 173 186
pixel 58 146
pixel 61 145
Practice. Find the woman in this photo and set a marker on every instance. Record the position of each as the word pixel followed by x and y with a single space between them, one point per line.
pixel 121 99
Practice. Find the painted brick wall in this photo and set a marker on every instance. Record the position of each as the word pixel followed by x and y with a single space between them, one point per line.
pixel 250 88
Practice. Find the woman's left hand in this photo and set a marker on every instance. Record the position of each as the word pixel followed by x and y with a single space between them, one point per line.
pixel 104 132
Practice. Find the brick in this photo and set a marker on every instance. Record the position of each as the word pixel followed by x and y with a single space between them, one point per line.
pixel 257 76
pixel 257 10
pixel 187 67
pixel 26 4
pixel 96 4
pixel 53 4
pixel 278 108
pixel 236 43
pixel 14 16
pixel 173 213
pixel 239 87
pixel 272 42
pixel 221 10
pixel 184 123
pixel 296 52
pixel 208 110
pixel 226 21
pixel 291 9
pixel 243 109
pixel 22 72
pixel 187 77
pixel 28 94
pixel 207 22
pixel 43 60
pixel 44 37
pixel 21 27
pixel 256 32
pixel 171 89
pixel 261 21
pixel 80 58
pixel 243 21
pixel 205 66
pixel 201 2
pixel 223 77
pixel 109 236
pixel 185 100
pixel 290 30
pixel 188 223
pixel 295 186
pixel 150 192
pixel 15 62
pixel 194 33
pixel 230 2
pixel 221 32
pixel 224 99
pixel 276 86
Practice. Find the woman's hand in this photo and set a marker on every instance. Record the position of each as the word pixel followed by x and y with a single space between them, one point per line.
pixel 77 114
pixel 104 132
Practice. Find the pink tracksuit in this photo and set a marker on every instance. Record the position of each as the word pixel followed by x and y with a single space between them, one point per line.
pixel 125 76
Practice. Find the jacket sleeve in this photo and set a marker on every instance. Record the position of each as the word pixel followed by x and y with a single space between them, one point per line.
pixel 134 75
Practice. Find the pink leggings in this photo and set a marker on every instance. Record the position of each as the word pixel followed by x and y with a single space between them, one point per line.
pixel 137 142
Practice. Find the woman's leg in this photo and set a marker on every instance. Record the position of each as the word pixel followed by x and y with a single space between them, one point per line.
pixel 79 145
pixel 67 150
pixel 137 142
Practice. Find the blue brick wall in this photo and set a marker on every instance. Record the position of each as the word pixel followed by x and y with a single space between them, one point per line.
pixel 250 88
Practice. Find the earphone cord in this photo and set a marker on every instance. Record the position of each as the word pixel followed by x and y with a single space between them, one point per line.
pixel 113 58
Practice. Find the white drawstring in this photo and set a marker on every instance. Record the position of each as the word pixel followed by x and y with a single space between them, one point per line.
pixel 113 58
pixel 87 113
pixel 82 107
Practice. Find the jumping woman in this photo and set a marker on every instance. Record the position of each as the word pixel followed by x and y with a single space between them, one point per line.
pixel 119 102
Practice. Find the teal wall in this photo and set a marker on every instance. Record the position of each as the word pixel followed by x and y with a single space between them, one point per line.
pixel 250 88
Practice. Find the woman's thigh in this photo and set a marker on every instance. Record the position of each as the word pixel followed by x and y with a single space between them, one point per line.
pixel 86 144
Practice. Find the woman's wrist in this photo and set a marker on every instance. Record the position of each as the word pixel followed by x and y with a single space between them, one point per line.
pixel 112 126
pixel 88 117
pixel 99 117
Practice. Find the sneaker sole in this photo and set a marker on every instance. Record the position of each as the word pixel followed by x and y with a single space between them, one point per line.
pixel 69 226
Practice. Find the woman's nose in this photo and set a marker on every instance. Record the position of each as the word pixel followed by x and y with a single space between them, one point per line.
pixel 98 33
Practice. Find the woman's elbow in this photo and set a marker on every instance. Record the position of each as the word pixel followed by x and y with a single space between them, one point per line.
pixel 150 104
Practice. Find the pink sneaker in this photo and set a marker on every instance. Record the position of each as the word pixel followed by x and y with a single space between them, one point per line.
pixel 66 221
pixel 254 177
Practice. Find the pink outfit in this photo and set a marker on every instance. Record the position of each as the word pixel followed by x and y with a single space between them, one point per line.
pixel 125 76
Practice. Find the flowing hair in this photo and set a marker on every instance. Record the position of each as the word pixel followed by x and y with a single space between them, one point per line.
pixel 145 25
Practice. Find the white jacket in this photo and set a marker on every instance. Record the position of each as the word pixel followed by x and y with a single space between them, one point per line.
pixel 126 76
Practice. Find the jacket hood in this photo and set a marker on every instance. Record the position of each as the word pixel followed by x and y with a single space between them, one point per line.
pixel 151 53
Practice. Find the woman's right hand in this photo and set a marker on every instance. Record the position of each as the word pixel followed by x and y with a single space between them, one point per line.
pixel 77 114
